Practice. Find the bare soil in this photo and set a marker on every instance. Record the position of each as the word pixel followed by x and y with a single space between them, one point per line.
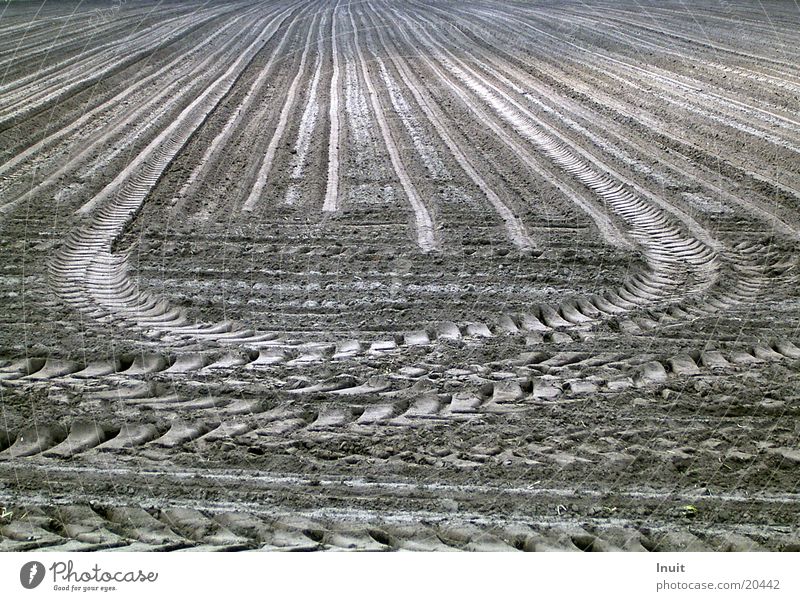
pixel 399 275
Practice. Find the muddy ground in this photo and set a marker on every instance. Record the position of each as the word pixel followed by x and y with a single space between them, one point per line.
pixel 377 275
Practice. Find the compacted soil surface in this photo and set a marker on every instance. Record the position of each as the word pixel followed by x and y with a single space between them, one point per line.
pixel 391 275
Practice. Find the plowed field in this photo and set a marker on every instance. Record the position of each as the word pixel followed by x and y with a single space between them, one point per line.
pixel 380 275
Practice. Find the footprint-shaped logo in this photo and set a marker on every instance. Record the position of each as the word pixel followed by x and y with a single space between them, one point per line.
pixel 31 574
